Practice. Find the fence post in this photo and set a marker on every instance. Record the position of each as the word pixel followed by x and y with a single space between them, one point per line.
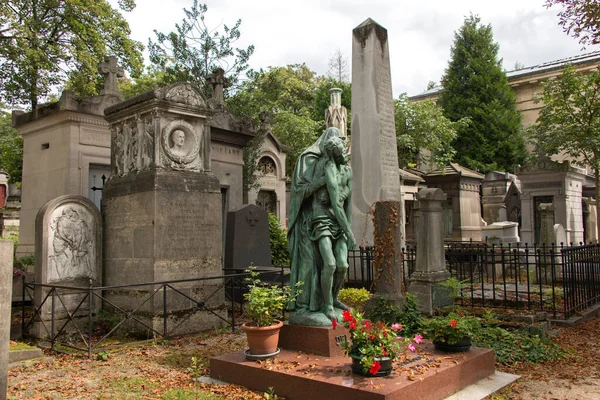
pixel 90 319
pixel 164 311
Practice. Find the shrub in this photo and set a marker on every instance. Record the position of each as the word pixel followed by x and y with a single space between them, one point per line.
pixel 280 255
pixel 451 328
pixel 355 298
pixel 409 315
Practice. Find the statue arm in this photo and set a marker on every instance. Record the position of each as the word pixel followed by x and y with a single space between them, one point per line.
pixel 348 201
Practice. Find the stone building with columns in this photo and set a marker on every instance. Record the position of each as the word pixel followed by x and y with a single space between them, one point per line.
pixel 67 150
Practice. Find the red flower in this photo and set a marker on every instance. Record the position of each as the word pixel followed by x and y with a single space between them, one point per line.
pixel 371 337
pixel 334 324
pixel 368 325
pixel 347 316
pixel 375 367
pixel 453 323
pixel 352 324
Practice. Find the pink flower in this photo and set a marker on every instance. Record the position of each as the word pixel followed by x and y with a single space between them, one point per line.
pixel 396 327
pixel 411 347
pixel 418 339
pixel 375 367
pixel 334 324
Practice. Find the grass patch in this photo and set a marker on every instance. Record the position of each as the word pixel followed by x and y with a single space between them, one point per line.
pixel 19 346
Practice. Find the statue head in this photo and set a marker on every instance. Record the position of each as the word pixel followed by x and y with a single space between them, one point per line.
pixel 335 147
pixel 178 138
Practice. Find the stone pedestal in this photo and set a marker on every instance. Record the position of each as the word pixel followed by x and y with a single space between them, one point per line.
pixel 317 340
pixel 6 278
pixel 430 263
pixel 162 208
pixel 388 255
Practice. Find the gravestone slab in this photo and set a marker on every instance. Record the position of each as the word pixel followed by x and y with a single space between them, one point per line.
pixel 374 152
pixel 6 278
pixel 247 238
pixel 68 243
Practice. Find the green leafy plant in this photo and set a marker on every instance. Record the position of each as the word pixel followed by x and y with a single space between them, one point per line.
pixel 409 315
pixel 280 255
pixel 512 347
pixel 266 303
pixel 373 340
pixel 270 394
pixel 196 368
pixel 355 298
pixel 456 287
pixel 451 328
pixel 103 356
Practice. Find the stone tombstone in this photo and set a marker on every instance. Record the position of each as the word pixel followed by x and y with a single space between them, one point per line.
pixel 374 152
pixel 6 279
pixel 546 211
pixel 247 238
pixel 69 242
pixel 560 236
pixel 430 262
pixel 162 208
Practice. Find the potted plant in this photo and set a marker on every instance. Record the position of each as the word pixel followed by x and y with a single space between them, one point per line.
pixel 452 332
pixel 266 304
pixel 374 345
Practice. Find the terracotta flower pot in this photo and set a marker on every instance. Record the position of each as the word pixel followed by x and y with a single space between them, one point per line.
pixel 262 340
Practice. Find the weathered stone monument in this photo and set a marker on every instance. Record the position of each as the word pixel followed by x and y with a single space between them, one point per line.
pixel 6 278
pixel 336 115
pixel 430 262
pixel 374 151
pixel 68 239
pixel 162 206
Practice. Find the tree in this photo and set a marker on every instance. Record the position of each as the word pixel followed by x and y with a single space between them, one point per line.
pixel 424 135
pixel 476 87
pixel 287 96
pixel 569 121
pixel 44 43
pixel 149 80
pixel 194 50
pixel 338 67
pixel 11 148
pixel 580 19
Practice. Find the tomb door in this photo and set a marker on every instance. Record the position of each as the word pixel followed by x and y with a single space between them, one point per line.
pixel 98 174
pixel 537 200
pixel 267 200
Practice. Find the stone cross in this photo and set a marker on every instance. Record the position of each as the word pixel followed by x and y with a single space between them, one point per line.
pixel 218 81
pixel 111 71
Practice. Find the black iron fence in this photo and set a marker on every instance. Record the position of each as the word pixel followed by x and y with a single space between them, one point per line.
pixel 561 280
pixel 83 318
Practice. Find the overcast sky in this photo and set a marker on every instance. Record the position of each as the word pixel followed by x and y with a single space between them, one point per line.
pixel 420 32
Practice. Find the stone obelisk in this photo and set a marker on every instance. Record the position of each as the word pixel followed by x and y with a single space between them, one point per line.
pixel 374 152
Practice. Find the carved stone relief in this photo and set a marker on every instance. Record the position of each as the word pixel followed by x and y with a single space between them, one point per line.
pixel 182 146
pixel 185 94
pixel 71 251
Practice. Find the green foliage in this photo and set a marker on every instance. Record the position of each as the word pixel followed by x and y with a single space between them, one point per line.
pixel 266 303
pixel 103 356
pixel 409 315
pixel 286 96
pixel 456 287
pixel 451 328
pixel 280 255
pixel 193 51
pixel 580 19
pixel 196 368
pixel 151 79
pixel 424 134
pixel 512 347
pixel 476 87
pixel 44 43
pixel 270 394
pixel 11 148
pixel 355 298
pixel 250 171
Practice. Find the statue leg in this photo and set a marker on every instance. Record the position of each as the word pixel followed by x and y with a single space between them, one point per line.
pixel 326 250
pixel 341 252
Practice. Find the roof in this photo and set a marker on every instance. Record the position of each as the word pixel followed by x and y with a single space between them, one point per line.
pixel 535 69
pixel 409 176
pixel 456 169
